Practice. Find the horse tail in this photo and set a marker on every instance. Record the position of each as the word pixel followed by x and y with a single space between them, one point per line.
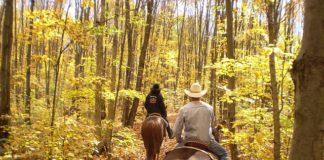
pixel 150 146
pixel 152 133
pixel 150 153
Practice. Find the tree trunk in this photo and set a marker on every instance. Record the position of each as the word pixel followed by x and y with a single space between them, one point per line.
pixel 112 107
pixel 5 71
pixel 48 77
pixel 231 80
pixel 38 92
pixel 28 60
pixel 79 50
pixel 15 50
pixel 201 39
pixel 273 28
pixel 180 44
pixel 99 73
pixel 214 54
pixel 275 103
pixel 207 42
pixel 308 77
pixel 149 20
pixel 20 58
pixel 57 72
pixel 130 61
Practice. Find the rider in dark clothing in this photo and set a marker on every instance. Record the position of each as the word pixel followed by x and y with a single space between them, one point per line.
pixel 154 103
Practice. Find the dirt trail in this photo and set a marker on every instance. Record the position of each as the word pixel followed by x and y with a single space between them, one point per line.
pixel 167 145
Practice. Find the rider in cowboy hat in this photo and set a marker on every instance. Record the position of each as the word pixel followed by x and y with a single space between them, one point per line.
pixel 197 119
pixel 154 103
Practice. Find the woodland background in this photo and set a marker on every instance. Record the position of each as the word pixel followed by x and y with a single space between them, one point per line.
pixel 80 70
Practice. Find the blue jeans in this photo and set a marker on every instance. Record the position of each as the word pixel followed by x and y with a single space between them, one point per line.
pixel 215 147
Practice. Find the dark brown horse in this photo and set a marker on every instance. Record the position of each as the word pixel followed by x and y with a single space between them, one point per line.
pixel 193 150
pixel 153 132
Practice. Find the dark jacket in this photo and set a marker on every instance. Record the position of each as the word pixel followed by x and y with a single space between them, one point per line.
pixel 154 103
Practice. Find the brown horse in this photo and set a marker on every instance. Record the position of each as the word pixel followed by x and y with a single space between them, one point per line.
pixel 153 132
pixel 194 150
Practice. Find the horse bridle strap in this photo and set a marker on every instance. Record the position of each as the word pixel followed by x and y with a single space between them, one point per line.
pixel 211 156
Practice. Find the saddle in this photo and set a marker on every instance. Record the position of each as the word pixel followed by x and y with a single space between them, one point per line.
pixel 196 143
pixel 188 152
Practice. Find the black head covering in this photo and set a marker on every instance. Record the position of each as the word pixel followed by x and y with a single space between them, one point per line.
pixel 155 88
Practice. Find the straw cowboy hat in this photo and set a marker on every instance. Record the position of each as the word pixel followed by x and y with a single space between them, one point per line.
pixel 195 91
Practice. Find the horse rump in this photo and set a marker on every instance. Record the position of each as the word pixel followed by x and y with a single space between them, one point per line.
pixel 153 132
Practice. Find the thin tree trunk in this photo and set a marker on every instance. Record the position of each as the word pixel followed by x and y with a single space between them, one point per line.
pixel 28 60
pixel 308 77
pixel 288 47
pixel 77 59
pixel 22 46
pixel 222 110
pixel 5 72
pixel 149 20
pixel 180 44
pixel 20 90
pixel 275 103
pixel 48 77
pixel 17 86
pixel 38 71
pixel 99 73
pixel 112 107
pixel 130 61
pixel 214 55
pixel 231 80
pixel 201 35
pixel 207 42
pixel 57 71
pixel 273 28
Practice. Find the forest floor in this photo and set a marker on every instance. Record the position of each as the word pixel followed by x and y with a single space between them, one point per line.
pixel 167 145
